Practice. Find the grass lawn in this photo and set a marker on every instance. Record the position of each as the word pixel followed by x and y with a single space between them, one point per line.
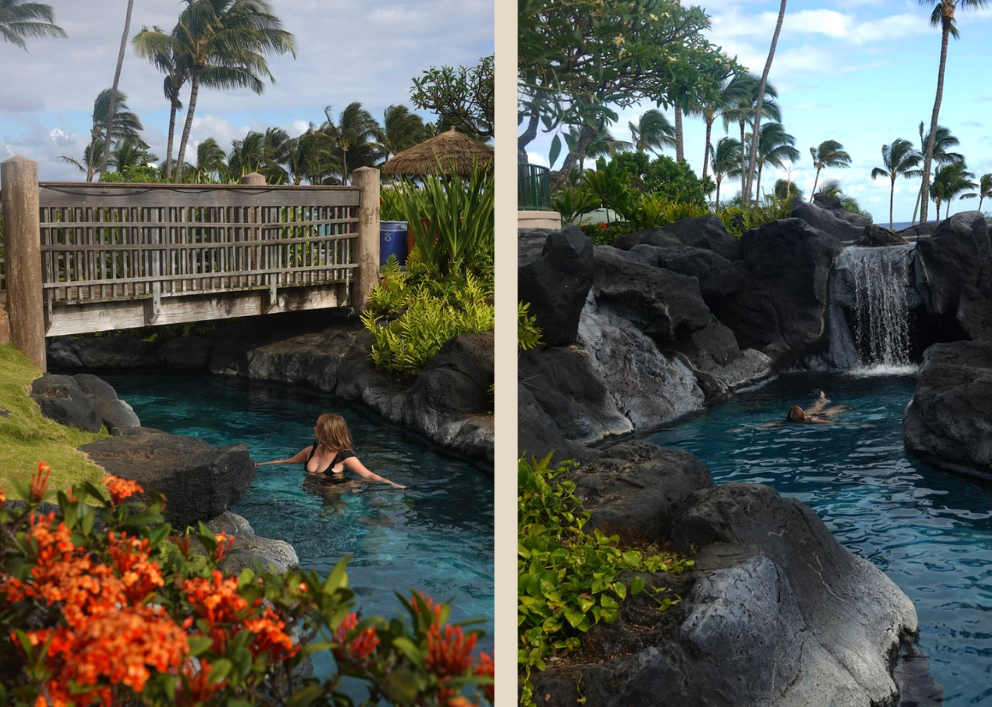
pixel 27 438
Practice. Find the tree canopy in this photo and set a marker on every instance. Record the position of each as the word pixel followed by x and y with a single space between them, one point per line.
pixel 463 97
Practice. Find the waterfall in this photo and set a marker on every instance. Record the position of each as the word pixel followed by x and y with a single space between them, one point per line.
pixel 870 308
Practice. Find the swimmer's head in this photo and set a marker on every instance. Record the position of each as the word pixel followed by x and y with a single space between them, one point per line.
pixel 795 414
pixel 332 431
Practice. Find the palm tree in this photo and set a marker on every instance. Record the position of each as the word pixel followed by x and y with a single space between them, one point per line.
pixel 831 187
pixel 19 19
pixel 949 181
pixel 756 120
pixel 726 96
pixel 128 153
pixel 741 110
pixel 984 190
pixel 117 79
pixel 401 130
pixel 165 55
pixel 775 146
pixel 225 41
pixel 126 126
pixel 247 155
pixel 652 131
pixel 898 158
pixel 943 17
pixel 943 140
pixel 356 136
pixel 829 153
pixel 785 189
pixel 210 158
pixel 726 162
pixel 600 144
pixel 312 157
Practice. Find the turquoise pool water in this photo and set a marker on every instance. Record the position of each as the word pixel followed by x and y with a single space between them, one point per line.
pixel 930 532
pixel 437 535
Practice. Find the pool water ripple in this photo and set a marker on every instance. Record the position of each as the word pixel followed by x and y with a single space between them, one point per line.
pixel 930 532
pixel 436 536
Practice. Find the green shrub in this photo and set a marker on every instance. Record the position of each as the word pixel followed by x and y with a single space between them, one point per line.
pixel 567 580
pixel 610 184
pixel 390 208
pixel 452 220
pixel 135 174
pixel 411 317
pixel 603 234
pixel 573 202
pixel 655 211
pixel 736 219
pixel 664 177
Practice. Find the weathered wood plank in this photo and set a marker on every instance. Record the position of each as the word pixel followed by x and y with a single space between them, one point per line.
pixel 129 314
pixel 106 196
pixel 107 247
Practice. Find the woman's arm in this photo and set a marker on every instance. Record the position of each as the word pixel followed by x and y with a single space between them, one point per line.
pixel 297 458
pixel 353 464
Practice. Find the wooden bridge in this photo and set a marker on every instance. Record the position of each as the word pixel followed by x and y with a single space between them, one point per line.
pixel 91 257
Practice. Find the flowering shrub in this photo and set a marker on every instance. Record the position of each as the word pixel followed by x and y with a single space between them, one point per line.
pixel 97 608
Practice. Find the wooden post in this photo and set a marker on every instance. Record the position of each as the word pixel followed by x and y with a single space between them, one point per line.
pixel 367 246
pixel 254 179
pixel 22 225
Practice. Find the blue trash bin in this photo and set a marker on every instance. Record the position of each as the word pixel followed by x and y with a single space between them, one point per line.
pixel 392 241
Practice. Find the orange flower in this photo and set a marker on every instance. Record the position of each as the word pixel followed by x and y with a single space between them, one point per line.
pixel 459 701
pixel 3 496
pixel 358 647
pixel 198 688
pixel 223 546
pixel 121 489
pixel 139 575
pixel 39 484
pixel 486 668
pixel 448 650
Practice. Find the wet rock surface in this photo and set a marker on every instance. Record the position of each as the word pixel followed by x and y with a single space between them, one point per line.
pixel 199 481
pixel 948 423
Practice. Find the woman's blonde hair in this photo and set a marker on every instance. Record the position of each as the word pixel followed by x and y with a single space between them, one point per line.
pixel 332 432
pixel 796 414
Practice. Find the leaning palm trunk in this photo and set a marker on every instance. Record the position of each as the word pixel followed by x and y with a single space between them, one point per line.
pixel 706 153
pixel 113 90
pixel 679 143
pixel 172 134
pixel 194 89
pixel 746 187
pixel 892 196
pixel 928 155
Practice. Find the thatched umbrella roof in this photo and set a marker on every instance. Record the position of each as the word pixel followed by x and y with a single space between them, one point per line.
pixel 447 148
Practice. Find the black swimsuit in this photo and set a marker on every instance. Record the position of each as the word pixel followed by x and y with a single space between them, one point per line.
pixel 327 473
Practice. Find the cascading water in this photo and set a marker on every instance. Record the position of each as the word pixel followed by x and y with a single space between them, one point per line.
pixel 871 298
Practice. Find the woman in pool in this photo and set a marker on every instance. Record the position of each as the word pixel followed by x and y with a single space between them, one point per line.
pixel 818 413
pixel 331 453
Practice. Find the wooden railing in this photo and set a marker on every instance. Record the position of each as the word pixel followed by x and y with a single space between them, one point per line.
pixel 117 256
pixel 102 243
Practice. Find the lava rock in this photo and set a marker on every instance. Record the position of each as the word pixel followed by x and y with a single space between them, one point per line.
pixel 199 481
pixel 450 397
pixel 920 229
pixel 956 277
pixel 250 550
pixel 575 401
pixel 948 423
pixel 62 400
pixel 116 415
pixel 827 215
pixel 705 232
pixel 718 277
pixel 556 284
pixel 647 386
pixel 187 353
pixel 663 304
pixel 636 490
pixel 780 307
pixel 875 236
pixel 102 353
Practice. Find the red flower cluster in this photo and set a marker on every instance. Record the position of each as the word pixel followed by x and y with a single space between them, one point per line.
pixel 351 645
pixel 121 489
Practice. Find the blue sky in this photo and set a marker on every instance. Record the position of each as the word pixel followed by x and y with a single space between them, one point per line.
pixel 347 51
pixel 862 72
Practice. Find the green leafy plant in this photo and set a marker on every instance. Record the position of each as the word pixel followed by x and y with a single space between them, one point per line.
pixel 737 219
pixel 528 332
pixel 611 185
pixel 655 211
pixel 452 219
pixel 603 234
pixel 664 177
pixel 567 580
pixel 432 312
pixel 573 202
pixel 390 198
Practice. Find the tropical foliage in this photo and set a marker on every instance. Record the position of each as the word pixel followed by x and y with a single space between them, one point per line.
pixel 104 603
pixel 568 580
pixel 899 158
pixel 828 153
pixel 462 97
pixel 20 19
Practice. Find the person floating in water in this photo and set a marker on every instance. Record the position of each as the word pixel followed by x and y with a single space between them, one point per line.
pixel 818 413
pixel 331 453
